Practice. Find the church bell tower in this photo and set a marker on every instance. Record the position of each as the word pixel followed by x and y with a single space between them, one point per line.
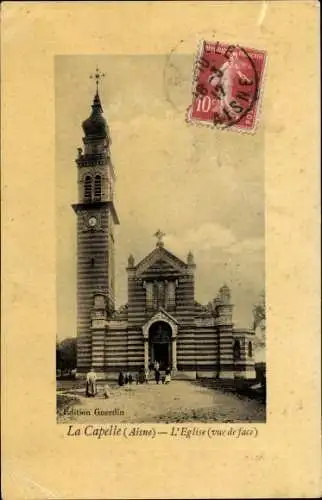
pixel 96 219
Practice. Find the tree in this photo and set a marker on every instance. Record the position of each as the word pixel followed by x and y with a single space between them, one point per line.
pixel 66 354
pixel 259 313
pixel 259 326
pixel 58 357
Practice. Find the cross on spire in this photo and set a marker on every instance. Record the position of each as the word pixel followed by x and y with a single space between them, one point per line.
pixel 98 75
pixel 159 235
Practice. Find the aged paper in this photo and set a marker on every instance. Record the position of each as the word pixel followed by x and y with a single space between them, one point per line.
pixel 248 190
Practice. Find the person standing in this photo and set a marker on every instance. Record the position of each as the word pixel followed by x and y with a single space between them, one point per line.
pixel 107 391
pixel 121 379
pixel 91 389
pixel 146 378
pixel 157 376
pixel 141 375
pixel 130 378
pixel 167 376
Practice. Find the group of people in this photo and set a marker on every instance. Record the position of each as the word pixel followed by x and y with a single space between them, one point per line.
pixel 125 378
pixel 159 379
pixel 141 377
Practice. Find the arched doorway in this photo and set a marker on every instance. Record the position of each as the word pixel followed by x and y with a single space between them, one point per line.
pixel 160 334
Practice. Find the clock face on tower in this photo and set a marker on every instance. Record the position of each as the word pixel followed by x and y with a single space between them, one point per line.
pixel 92 221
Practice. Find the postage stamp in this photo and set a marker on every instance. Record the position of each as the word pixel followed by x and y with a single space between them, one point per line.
pixel 227 86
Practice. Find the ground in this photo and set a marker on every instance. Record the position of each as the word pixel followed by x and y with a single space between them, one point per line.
pixel 179 401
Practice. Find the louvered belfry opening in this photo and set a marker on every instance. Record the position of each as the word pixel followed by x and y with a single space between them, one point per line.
pixel 88 188
pixel 97 188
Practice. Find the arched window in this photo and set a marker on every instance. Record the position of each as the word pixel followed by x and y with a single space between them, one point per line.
pixel 88 188
pixel 250 349
pixel 236 350
pixel 171 295
pixel 158 294
pixel 97 188
pixel 155 295
pixel 161 294
pixel 149 295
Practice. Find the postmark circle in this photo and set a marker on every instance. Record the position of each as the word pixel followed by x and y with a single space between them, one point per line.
pixel 226 84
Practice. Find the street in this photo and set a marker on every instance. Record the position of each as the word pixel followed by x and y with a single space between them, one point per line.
pixel 179 401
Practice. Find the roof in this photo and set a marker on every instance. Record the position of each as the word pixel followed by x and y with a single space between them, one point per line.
pixel 160 261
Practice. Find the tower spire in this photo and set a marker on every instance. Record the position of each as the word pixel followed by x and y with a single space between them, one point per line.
pixel 98 76
pixel 95 127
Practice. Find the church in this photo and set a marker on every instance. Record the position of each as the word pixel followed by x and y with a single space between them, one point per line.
pixel 161 321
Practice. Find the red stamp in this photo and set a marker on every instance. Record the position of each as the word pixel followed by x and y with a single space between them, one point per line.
pixel 227 86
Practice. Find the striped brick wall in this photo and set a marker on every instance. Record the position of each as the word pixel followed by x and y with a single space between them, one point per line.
pixel 226 361
pixel 197 340
pixel 135 349
pixel 90 276
pixel 115 348
pixel 136 303
pixel 124 348
pixel 207 348
pixel 186 353
pixel 98 342
pixel 184 312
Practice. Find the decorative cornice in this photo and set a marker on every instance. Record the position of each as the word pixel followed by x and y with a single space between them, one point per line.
pixel 97 204
pixel 243 331
pixel 160 253
pixel 92 160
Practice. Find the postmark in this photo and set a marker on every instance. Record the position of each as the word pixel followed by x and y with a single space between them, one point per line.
pixel 227 86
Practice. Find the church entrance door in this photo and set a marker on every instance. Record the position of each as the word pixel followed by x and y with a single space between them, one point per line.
pixel 160 334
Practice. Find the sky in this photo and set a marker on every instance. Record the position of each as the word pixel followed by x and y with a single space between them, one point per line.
pixel 203 188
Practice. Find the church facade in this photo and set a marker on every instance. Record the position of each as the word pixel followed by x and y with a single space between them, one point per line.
pixel 162 320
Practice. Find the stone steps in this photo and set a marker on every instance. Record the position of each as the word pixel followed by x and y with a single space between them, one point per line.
pixel 183 376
